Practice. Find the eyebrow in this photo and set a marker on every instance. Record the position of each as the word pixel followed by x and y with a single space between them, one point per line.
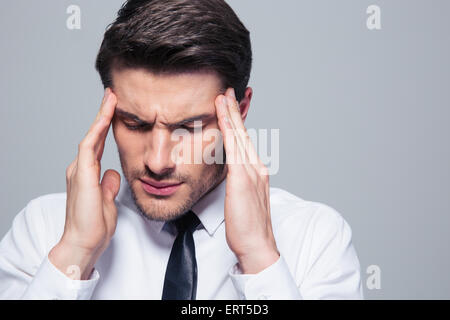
pixel 131 116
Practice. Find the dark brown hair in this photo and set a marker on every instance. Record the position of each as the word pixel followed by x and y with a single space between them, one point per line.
pixel 177 36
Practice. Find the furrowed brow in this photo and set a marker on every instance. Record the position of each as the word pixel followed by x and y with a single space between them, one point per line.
pixel 128 115
pixel 202 117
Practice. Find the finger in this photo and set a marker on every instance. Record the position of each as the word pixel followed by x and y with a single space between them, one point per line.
pixel 236 118
pixel 225 126
pixel 235 132
pixel 100 147
pixel 237 129
pixel 69 173
pixel 106 94
pixel 110 185
pixel 92 145
pixel 69 169
pixel 268 195
pixel 234 148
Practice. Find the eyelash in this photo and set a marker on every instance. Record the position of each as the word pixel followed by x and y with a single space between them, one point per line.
pixel 135 128
pixel 143 128
pixel 188 128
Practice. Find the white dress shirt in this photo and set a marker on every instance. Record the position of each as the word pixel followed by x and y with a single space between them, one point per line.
pixel 318 260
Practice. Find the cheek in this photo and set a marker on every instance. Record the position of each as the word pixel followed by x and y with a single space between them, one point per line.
pixel 129 144
pixel 195 165
pixel 212 141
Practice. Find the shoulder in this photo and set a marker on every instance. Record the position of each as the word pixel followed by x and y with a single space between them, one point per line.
pixel 291 212
pixel 43 218
pixel 48 206
pixel 309 231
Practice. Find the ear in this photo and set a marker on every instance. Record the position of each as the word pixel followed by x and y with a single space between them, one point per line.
pixel 244 104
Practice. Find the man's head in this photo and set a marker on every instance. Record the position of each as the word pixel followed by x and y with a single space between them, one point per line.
pixel 167 61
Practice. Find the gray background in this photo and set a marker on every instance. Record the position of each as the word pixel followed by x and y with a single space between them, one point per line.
pixel 363 117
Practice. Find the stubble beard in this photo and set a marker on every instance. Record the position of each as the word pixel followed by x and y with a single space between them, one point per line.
pixel 157 211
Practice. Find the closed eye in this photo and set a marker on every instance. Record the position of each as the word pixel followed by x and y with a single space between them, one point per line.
pixel 191 128
pixel 136 127
pixel 145 127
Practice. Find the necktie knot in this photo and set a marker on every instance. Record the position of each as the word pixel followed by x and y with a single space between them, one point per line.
pixel 187 222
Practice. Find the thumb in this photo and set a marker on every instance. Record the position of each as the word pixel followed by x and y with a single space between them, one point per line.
pixel 110 185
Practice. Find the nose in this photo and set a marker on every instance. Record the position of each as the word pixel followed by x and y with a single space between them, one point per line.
pixel 158 154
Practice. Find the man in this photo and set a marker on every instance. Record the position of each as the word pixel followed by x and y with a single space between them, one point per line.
pixel 176 228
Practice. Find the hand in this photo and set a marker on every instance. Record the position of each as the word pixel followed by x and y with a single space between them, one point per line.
pixel 91 214
pixel 247 203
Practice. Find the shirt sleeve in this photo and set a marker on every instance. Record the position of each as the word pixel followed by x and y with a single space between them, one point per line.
pixel 50 283
pixel 275 282
pixel 26 272
pixel 332 270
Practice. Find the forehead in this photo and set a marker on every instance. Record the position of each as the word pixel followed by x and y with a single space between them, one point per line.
pixel 167 97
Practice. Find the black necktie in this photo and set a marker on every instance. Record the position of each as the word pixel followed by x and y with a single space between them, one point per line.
pixel 180 282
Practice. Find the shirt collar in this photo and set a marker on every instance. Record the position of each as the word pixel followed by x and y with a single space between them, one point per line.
pixel 209 209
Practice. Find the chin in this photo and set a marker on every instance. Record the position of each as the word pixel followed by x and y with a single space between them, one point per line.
pixel 162 208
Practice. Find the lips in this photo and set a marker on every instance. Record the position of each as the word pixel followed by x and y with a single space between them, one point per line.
pixel 160 188
pixel 157 184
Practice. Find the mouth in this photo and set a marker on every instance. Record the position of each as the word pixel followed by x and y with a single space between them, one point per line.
pixel 160 188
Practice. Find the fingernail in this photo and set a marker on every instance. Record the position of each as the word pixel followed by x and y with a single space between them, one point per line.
pixel 107 93
pixel 223 101
pixel 233 94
